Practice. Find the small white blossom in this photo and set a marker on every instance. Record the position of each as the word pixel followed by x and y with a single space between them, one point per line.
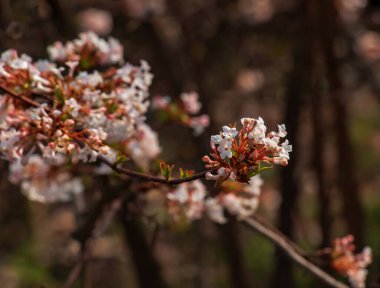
pixel 215 140
pixel 224 148
pixel 89 79
pixel 73 107
pixel 258 133
pixel 282 131
pixel 254 187
pixel 229 132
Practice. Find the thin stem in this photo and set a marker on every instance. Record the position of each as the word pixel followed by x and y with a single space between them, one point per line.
pixel 19 97
pixel 174 181
pixel 291 250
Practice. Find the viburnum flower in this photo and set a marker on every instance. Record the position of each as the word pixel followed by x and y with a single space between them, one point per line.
pixel 183 111
pixel 353 266
pixel 83 113
pixel 89 49
pixel 144 146
pixel 238 154
pixel 66 111
pixel 239 199
pixel 43 182
pixel 187 199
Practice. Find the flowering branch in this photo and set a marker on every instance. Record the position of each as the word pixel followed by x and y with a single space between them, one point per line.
pixel 99 116
pixel 291 250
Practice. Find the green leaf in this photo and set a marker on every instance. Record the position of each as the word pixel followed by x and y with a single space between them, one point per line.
pixel 85 63
pixel 121 157
pixel 182 173
pixel 59 94
pixel 166 170
pixel 163 167
pixel 112 108
pixel 254 172
pixel 163 116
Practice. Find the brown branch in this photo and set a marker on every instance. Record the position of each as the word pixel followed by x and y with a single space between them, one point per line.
pixel 131 173
pixel 291 250
pixel 19 97
pixel 87 244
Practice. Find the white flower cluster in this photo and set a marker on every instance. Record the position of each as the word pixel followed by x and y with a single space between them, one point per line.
pixel 188 196
pixel 144 146
pixel 237 154
pixel 240 200
pixel 242 203
pixel 32 73
pixel 44 183
pixel 79 114
pixel 107 52
pixel 224 141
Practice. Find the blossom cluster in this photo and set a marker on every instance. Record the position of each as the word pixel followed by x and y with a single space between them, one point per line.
pixel 353 266
pixel 84 102
pixel 37 176
pixel 238 199
pixel 184 111
pixel 89 50
pixel 187 200
pixel 238 155
pixel 64 113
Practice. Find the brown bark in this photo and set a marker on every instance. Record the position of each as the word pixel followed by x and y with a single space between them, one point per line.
pixel 347 181
pixel 318 122
pixel 230 235
pixel 289 183
pixel 147 266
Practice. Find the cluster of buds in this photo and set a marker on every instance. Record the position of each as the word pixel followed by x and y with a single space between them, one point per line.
pixel 238 155
pixel 351 265
pixel 65 111
pixel 185 111
pixel 238 199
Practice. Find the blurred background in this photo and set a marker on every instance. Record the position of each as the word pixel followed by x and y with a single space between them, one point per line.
pixel 313 65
